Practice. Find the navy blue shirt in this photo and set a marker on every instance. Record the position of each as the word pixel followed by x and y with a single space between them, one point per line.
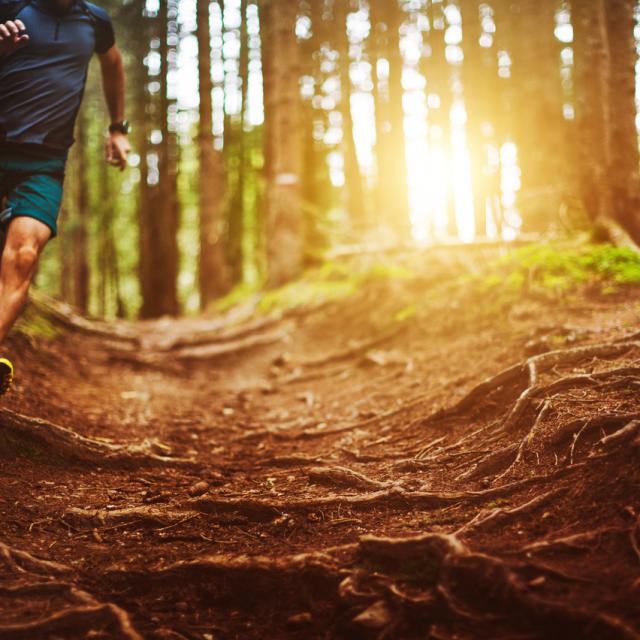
pixel 42 83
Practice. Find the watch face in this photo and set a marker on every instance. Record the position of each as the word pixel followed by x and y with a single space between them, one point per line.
pixel 122 127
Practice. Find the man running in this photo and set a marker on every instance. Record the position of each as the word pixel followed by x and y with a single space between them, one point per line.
pixel 45 49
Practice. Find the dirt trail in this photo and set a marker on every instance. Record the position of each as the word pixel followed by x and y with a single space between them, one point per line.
pixel 349 471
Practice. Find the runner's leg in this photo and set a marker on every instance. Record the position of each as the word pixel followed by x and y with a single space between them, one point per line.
pixel 26 238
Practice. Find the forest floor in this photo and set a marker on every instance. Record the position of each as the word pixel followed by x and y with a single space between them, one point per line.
pixel 447 447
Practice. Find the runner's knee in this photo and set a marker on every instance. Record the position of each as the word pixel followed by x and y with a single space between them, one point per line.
pixel 22 259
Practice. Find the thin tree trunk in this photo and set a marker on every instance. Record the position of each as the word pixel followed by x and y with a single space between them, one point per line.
pixel 237 211
pixel 80 236
pixel 354 191
pixel 159 221
pixel 475 77
pixel 212 269
pixel 541 129
pixel 592 104
pixel 438 74
pixel 393 198
pixel 283 149
pixel 624 158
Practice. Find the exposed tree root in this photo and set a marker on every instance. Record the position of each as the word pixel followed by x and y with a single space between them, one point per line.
pixel 394 583
pixel 502 515
pixel 542 413
pixel 628 433
pixel 490 464
pixel 45 441
pixel 345 477
pixel 529 370
pixel 23 562
pixel 207 353
pixel 64 316
pixel 88 616
pixel 84 615
pixel 354 350
pixel 575 541
pixel 395 496
pixel 220 333
pixel 143 516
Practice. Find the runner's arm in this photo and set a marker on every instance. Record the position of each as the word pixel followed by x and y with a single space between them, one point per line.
pixel 113 83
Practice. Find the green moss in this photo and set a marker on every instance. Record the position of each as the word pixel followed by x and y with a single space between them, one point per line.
pixel 556 269
pixel 238 295
pixel 35 325
pixel 329 282
pixel 406 313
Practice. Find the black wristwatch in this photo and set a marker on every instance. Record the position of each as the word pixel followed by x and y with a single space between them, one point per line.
pixel 120 127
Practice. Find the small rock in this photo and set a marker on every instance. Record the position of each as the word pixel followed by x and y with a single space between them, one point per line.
pixel 216 479
pixel 198 489
pixel 299 619
pixel 282 360
pixel 377 616
pixel 268 390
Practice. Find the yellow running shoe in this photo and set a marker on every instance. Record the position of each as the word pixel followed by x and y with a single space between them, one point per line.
pixel 6 375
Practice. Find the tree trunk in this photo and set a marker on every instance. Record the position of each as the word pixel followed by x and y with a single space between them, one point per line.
pixel 212 269
pixel 437 72
pixel 592 105
pixel 159 203
pixel 478 74
pixel 540 131
pixel 393 196
pixel 354 191
pixel 237 211
pixel 80 235
pixel 283 150
pixel 624 157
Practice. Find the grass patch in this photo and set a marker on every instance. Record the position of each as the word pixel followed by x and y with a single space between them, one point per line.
pixel 559 269
pixel 329 282
pixel 34 325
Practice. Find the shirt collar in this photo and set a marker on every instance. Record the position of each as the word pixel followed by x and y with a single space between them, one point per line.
pixel 50 7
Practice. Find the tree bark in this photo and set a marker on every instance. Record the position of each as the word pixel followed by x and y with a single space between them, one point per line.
pixel 354 192
pixel 540 129
pixel 237 225
pixel 159 206
pixel 283 149
pixel 624 156
pixel 437 72
pixel 393 194
pixel 212 269
pixel 592 105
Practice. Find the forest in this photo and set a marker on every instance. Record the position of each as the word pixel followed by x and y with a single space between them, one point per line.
pixel 351 348
pixel 264 137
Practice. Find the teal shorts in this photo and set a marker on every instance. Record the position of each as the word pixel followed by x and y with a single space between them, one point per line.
pixel 31 185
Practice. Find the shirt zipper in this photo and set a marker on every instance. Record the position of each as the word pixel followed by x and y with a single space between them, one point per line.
pixel 57 29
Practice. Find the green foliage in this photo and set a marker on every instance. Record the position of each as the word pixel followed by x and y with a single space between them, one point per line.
pixel 406 313
pixel 331 281
pixel 555 269
pixel 34 325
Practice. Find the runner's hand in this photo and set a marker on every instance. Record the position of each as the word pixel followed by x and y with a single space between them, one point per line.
pixel 12 36
pixel 117 150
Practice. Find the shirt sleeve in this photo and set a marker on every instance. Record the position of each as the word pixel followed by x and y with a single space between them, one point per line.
pixel 105 35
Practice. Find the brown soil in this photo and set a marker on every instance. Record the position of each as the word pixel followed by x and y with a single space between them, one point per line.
pixel 471 472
